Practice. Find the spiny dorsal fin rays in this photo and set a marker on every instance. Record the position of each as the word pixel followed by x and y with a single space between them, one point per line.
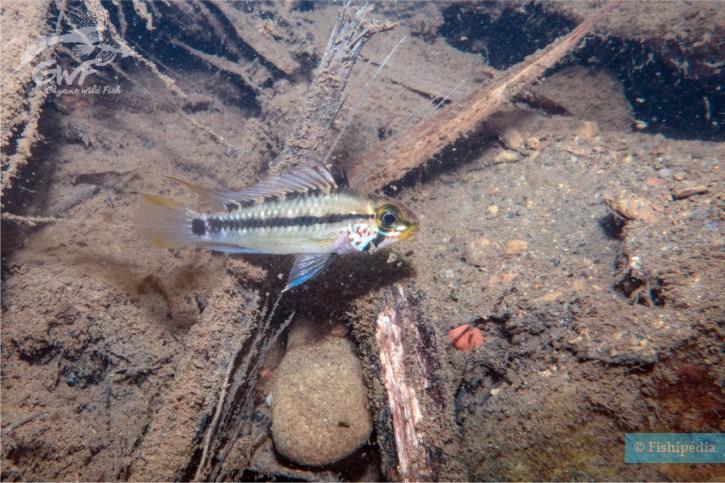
pixel 300 179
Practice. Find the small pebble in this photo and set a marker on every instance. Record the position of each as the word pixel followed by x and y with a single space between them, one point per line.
pixel 533 143
pixel 516 247
pixel 633 209
pixel 505 157
pixel 479 251
pixel 503 278
pixel 492 210
pixel 682 193
pixel 550 297
pixel 588 130
pixel 512 139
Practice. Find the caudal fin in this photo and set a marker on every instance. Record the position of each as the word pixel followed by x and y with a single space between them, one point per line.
pixel 165 223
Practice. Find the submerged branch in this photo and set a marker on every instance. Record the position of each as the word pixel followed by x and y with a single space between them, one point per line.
pixel 310 139
pixel 457 120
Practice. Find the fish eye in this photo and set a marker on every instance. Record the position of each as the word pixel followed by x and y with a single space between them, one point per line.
pixel 388 216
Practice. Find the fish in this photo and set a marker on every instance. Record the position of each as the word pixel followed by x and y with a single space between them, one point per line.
pixel 308 211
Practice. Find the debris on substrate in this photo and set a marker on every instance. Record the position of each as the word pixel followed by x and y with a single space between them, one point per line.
pixel 589 243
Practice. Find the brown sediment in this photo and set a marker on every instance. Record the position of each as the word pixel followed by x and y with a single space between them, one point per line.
pixel 260 35
pixel 163 454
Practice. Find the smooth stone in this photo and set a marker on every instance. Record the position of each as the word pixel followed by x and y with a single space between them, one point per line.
pixel 320 410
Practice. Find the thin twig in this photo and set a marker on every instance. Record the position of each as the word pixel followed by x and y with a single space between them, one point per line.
pixel 30 220
pixel 82 194
pixel 13 426
pixel 211 431
pixel 245 375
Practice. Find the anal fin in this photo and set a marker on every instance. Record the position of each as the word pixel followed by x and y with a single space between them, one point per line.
pixel 307 266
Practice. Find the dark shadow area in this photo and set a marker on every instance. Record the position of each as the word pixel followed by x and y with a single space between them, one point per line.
pixel 351 468
pixel 465 150
pixel 612 226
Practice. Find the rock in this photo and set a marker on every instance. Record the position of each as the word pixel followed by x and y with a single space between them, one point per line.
pixel 505 157
pixel 550 297
pixel 512 139
pixel 632 209
pixel 479 251
pixel 516 247
pixel 502 278
pixel 588 130
pixel 320 412
pixel 682 193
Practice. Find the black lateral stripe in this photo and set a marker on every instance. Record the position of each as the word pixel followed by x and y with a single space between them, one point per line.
pixel 217 224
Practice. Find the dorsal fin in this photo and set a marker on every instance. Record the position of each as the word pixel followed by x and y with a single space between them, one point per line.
pixel 300 179
pixel 303 179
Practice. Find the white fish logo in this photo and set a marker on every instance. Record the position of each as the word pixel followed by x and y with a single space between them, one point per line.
pixel 85 40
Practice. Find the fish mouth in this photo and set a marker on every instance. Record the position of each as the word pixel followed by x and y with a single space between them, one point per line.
pixel 411 231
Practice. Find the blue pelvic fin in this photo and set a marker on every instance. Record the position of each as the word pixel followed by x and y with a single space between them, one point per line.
pixel 307 266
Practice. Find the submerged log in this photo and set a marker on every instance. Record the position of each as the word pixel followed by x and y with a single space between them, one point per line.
pixel 416 398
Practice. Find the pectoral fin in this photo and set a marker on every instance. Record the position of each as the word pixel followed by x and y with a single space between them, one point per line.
pixel 307 266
